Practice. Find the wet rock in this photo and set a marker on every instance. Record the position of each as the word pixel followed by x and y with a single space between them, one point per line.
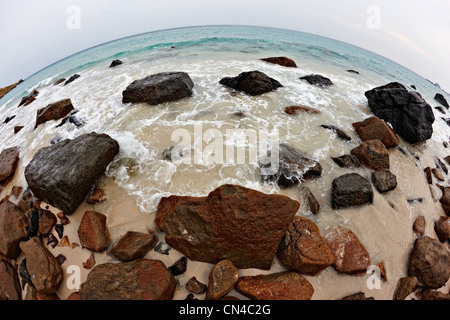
pixel 71 119
pixel 282 61
pixel 159 88
pixel 195 286
pixel 46 273
pixel 445 200
pixel 292 110
pixel 9 158
pixel 419 226
pixel 253 83
pixel 347 161
pixel 59 228
pixel 317 80
pixel 353 71
pixel 351 190
pixel 13 229
pixel 339 132
pixel 33 227
pixel 8 119
pixel 173 153
pixel 303 249
pixel 115 63
pixel 428 175
pixel 350 254
pixel 440 109
pixel 275 286
pixel 440 98
pixel 93 232
pixel 409 114
pixel 430 262
pixel 221 279
pixel 376 129
pixel 28 98
pixel 293 167
pixel 373 154
pixel 63 174
pixel 17 129
pixel 72 78
pixel 442 229
pixel 179 267
pixel 9 282
pixel 405 286
pixel 54 111
pixel 313 204
pixel 227 225
pixel 59 81
pixel 384 180
pixel 140 279
pixel 434 295
pixel 133 245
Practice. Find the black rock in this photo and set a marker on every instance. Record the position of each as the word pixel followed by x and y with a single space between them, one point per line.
pixel 179 267
pixel 162 248
pixel 33 228
pixel 347 161
pixel 115 63
pixel 415 200
pixel 440 98
pixel 351 190
pixel 61 258
pixel 252 82
pixel 8 119
pixel 24 274
pixel 61 80
pixel 339 132
pixel 317 80
pixel 72 78
pixel 441 165
pixel 353 71
pixel 409 114
pixel 27 97
pixel 59 228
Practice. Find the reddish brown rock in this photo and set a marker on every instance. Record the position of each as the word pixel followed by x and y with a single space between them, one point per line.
pixel 140 279
pixel 74 296
pixel 13 229
pixel 93 232
pixel 9 159
pixel 428 175
pixel 221 279
pixel 9 282
pixel 376 129
pixel 291 110
pixel 372 154
pixel 282 61
pixel 54 111
pixel 350 254
pixel 133 245
pixel 17 129
pixel 445 200
pixel 97 196
pixel 419 226
pixel 195 286
pixel 434 295
pixel 276 286
pixel 303 249
pixel 232 222
pixel 405 286
pixel 45 271
pixel 47 221
pixel 442 228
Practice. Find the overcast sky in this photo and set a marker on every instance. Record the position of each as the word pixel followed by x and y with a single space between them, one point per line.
pixel 35 33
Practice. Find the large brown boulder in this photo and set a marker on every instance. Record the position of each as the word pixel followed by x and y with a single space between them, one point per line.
pixel 159 88
pixel 373 154
pixel 140 279
pixel 8 162
pixel 351 255
pixel 252 82
pixel 376 129
pixel 282 61
pixel 54 111
pixel 45 271
pixel 93 232
pixel 275 286
pixel 133 245
pixel 442 229
pixel 430 262
pixel 13 229
pixel 232 222
pixel 303 249
pixel 351 190
pixel 9 282
pixel 63 174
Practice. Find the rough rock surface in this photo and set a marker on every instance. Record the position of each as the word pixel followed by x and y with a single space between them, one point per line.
pixel 430 262
pixel 405 286
pixel 311 201
pixel 303 249
pixel 291 110
pixel 221 279
pixel 282 61
pixel 275 286
pixel 133 245
pixel 232 222
pixel 409 114
pixel 442 228
pixel 347 161
pixel 252 82
pixel 351 255
pixel 317 80
pixel 384 180
pixel 63 174
pixel 351 190
pixel 13 229
pixel 9 282
pixel 93 232
pixel 376 129
pixel 140 279
pixel 54 111
pixel 159 88
pixel 373 154
pixel 419 226
pixel 9 159
pixel 45 271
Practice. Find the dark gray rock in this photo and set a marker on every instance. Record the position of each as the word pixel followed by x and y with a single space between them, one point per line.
pixel 440 98
pixel 115 63
pixel 317 80
pixel 72 78
pixel 384 180
pixel 253 83
pixel 351 190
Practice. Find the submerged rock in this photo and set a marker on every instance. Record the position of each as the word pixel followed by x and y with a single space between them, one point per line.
pixel 339 132
pixel 54 111
pixel 317 80
pixel 9 158
pixel 282 61
pixel 253 83
pixel 63 174
pixel 159 88
pixel 13 229
pixel 409 114
pixel 351 190
pixel 376 129
pixel 292 110
pixel 440 98
pixel 140 279
pixel 227 225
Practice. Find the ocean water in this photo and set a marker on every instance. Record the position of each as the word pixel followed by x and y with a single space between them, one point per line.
pixel 208 54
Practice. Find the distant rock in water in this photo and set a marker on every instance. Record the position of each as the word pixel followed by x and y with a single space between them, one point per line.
pixel 72 78
pixel 317 80
pixel 64 173
pixel 59 81
pixel 28 98
pixel 252 82
pixel 282 61
pixel 115 63
pixel 440 98
pixel 409 114
pixel 5 90
pixel 159 88
pixel 353 71
pixel 54 111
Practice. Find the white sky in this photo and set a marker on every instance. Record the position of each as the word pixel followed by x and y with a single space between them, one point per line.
pixel 34 33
